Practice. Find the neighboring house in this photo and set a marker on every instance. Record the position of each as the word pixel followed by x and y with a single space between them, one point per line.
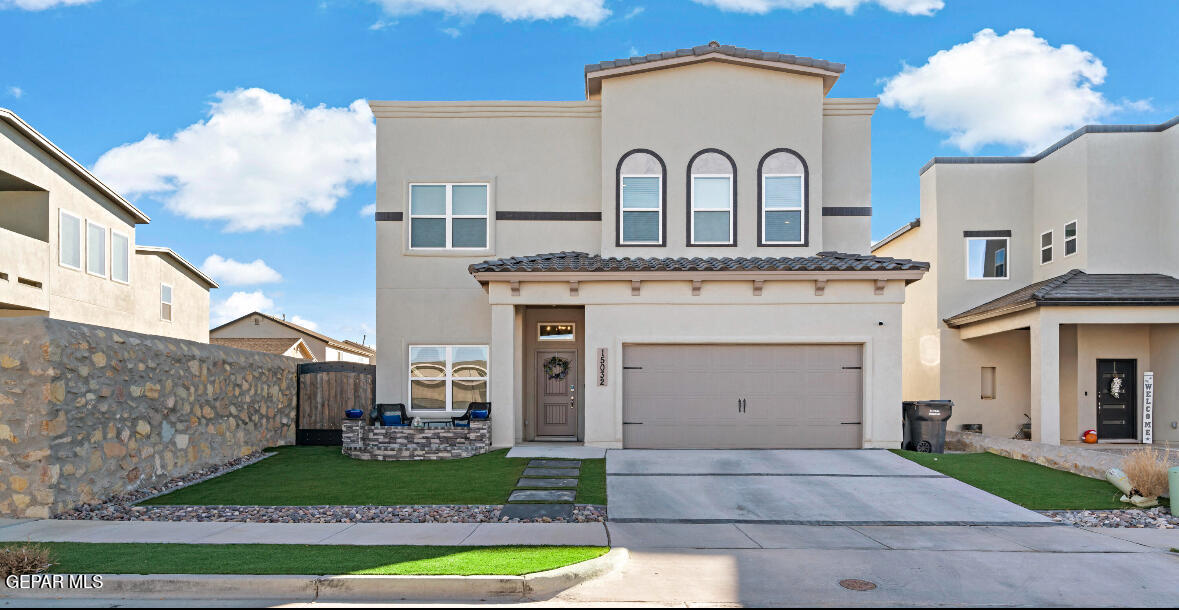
pixel 285 346
pixel 322 348
pixel 1053 288
pixel 68 248
pixel 661 267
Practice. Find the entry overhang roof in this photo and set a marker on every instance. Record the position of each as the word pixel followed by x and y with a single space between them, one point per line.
pixel 1077 288
pixel 595 266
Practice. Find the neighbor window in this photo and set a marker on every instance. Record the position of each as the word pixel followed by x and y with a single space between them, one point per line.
pixel 642 209
pixel 95 249
pixel 69 237
pixel 448 216
pixel 556 331
pixel 988 382
pixel 447 377
pixel 165 302
pixel 711 200
pixel 782 214
pixel 120 257
pixel 1046 247
pixel 1070 238
pixel 986 258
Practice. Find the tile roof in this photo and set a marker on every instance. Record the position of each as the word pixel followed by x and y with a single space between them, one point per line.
pixel 582 262
pixel 269 345
pixel 1079 288
pixel 723 49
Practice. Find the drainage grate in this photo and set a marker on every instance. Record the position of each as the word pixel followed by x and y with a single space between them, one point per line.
pixel 856 584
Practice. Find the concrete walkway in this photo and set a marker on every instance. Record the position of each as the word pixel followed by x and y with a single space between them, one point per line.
pixel 444 534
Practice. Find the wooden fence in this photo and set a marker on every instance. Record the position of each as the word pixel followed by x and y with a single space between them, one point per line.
pixel 326 390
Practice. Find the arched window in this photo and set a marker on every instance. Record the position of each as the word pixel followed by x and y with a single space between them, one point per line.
pixel 783 199
pixel 642 199
pixel 712 199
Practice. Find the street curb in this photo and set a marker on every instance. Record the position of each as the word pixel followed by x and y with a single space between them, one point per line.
pixel 334 588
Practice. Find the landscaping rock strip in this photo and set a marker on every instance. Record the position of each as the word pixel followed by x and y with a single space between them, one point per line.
pixel 1158 518
pixel 487 513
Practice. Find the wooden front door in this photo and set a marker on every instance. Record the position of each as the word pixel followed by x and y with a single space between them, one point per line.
pixel 556 392
pixel 1117 381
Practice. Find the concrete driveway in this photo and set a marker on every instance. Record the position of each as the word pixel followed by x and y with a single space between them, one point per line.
pixel 795 487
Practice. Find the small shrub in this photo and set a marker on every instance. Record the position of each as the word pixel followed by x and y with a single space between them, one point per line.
pixel 23 559
pixel 1147 470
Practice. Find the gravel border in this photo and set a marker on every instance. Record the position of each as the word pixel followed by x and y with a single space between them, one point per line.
pixel 1159 517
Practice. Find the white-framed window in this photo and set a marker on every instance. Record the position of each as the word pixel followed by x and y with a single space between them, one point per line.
pixel 166 302
pixel 447 377
pixel 120 257
pixel 1046 247
pixel 782 221
pixel 1070 238
pixel 986 258
pixel 95 249
pixel 641 206
pixel 556 331
pixel 449 216
pixel 69 240
pixel 712 209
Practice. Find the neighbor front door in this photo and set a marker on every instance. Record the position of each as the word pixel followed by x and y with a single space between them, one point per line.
pixel 1116 399
pixel 556 409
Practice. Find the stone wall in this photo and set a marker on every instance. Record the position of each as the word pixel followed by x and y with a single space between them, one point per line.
pixel 88 412
pixel 365 442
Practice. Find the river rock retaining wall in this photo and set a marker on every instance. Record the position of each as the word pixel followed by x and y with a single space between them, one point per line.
pixel 365 442
pixel 88 412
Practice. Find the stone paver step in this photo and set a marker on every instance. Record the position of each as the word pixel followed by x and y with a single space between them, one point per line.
pixel 554 464
pixel 537 511
pixel 550 473
pixel 535 495
pixel 546 483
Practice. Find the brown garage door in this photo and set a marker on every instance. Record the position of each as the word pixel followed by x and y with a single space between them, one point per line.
pixel 742 396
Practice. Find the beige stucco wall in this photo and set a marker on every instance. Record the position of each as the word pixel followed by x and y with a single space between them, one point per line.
pixel 190 298
pixel 1164 358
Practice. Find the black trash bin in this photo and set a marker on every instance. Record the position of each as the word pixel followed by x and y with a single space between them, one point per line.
pixel 925 425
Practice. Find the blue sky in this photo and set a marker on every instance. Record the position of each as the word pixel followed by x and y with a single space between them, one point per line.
pixel 94 75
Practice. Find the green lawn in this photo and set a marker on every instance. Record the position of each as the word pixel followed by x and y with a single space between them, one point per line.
pixel 79 558
pixel 307 476
pixel 1029 485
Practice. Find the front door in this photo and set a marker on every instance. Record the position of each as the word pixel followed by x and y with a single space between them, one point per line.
pixel 556 408
pixel 1116 399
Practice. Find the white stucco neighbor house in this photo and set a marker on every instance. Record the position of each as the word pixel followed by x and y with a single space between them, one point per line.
pixel 68 248
pixel 277 335
pixel 1053 292
pixel 678 260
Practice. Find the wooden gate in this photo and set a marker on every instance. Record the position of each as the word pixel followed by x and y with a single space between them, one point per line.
pixel 326 390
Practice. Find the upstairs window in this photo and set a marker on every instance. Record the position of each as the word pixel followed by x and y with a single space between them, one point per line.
pixel 165 302
pixel 641 199
pixel 1070 238
pixel 711 199
pixel 1046 247
pixel 120 257
pixel 95 249
pixel 986 258
pixel 448 216
pixel 783 199
pixel 69 238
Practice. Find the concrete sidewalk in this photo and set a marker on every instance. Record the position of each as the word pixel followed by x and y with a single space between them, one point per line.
pixel 440 534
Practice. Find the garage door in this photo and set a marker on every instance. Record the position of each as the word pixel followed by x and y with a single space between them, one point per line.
pixel 742 396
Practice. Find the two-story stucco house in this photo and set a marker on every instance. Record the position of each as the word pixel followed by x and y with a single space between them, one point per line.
pixel 68 248
pixel 1053 291
pixel 653 266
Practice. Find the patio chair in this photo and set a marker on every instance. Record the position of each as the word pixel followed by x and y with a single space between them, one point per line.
pixel 476 411
pixel 393 415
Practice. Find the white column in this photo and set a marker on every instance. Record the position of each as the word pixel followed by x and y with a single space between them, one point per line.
pixel 504 406
pixel 1045 394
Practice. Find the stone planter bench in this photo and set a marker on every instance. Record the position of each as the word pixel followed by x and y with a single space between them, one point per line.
pixel 365 442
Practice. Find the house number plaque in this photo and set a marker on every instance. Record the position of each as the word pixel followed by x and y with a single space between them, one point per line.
pixel 602 364
pixel 1148 408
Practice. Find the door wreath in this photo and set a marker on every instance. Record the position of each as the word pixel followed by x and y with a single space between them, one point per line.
pixel 556 368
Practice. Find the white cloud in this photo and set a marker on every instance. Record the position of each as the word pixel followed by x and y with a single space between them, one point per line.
pixel 586 12
pixel 452 32
pixel 368 210
pixel 239 304
pixel 1014 89
pixel 260 161
pixel 634 12
pixel 16 92
pixel 381 24
pixel 761 7
pixel 40 5
pixel 304 322
pixel 229 272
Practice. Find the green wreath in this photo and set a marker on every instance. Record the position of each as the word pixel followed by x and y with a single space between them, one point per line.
pixel 556 367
